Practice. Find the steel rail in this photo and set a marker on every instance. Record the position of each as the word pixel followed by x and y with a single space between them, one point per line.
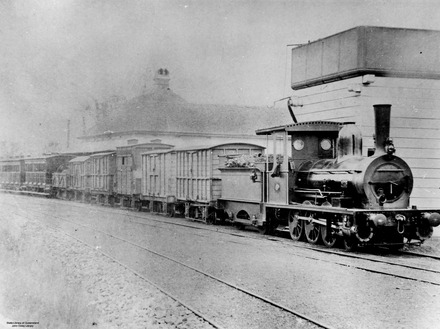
pixel 232 285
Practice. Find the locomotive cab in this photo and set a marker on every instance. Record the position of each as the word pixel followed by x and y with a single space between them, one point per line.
pixel 295 148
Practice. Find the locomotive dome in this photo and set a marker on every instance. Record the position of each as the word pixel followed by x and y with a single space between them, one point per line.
pixel 349 141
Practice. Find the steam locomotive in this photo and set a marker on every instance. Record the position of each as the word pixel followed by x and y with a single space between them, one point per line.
pixel 330 190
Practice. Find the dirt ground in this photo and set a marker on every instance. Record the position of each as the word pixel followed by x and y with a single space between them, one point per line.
pixel 52 279
pixel 49 280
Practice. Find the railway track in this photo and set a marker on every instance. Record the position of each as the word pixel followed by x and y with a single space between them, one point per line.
pixel 403 267
pixel 201 275
pixel 298 247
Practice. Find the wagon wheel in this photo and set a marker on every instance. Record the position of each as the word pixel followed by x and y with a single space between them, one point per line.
pixel 312 231
pixel 210 216
pixel 296 226
pixel 221 216
pixel 265 229
pixel 328 240
pixel 172 211
pixel 350 243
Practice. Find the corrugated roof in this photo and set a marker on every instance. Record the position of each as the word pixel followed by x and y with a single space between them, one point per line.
pixel 102 154
pixel 145 145
pixel 213 146
pixel 80 159
pixel 201 147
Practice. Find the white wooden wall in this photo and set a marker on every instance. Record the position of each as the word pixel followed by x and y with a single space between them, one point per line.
pixel 415 121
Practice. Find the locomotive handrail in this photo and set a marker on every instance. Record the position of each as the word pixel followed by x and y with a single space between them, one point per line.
pixel 383 182
pixel 321 193
pixel 390 170
pixel 330 171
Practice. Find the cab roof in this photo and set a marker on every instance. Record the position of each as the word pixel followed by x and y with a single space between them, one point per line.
pixel 303 127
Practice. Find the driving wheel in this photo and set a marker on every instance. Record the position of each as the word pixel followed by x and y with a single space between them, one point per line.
pixel 328 240
pixel 296 226
pixel 312 231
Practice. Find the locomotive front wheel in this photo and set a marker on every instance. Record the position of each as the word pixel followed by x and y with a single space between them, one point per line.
pixel 296 226
pixel 312 232
pixel 268 227
pixel 328 240
pixel 271 223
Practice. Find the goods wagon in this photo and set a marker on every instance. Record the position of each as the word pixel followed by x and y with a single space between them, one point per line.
pixel 61 184
pixel 129 171
pixel 158 190
pixel 188 180
pixel 102 177
pixel 80 173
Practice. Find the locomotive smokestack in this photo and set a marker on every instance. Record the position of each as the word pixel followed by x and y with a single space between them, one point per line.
pixel 382 114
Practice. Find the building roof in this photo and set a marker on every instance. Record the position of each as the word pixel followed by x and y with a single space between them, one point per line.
pixel 143 115
pixel 164 111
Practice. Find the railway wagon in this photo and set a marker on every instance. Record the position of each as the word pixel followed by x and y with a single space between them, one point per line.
pixel 129 171
pixel 158 187
pixel 243 194
pixel 39 171
pixel 80 173
pixel 102 177
pixel 12 174
pixel 188 180
pixel 61 184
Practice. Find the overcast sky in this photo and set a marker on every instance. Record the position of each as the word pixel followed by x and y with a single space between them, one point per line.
pixel 58 55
